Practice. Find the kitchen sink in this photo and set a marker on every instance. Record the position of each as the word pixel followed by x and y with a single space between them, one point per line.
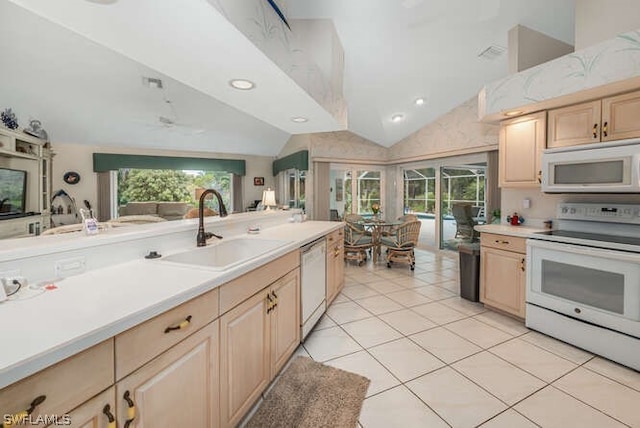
pixel 226 254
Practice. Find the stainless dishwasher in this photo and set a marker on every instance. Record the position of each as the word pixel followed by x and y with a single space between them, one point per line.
pixel 313 295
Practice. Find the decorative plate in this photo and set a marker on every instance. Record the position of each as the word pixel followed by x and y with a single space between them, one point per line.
pixel 71 177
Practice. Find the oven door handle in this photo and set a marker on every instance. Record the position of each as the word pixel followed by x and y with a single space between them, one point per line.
pixel 620 255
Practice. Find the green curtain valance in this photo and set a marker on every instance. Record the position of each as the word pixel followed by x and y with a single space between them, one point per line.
pixel 298 160
pixel 110 162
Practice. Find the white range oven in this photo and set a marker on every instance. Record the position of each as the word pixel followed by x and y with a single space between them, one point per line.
pixel 583 280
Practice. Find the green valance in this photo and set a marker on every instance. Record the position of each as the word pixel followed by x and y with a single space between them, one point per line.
pixel 298 160
pixel 110 162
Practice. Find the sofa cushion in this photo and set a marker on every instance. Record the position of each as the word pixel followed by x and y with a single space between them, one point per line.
pixel 139 208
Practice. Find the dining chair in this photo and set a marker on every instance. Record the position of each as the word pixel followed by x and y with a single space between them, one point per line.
pixel 356 243
pixel 400 246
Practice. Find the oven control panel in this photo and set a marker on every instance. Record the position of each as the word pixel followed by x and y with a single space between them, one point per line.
pixel 616 213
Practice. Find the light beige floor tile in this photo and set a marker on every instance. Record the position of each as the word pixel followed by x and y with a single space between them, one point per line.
pixel 479 333
pixel 365 365
pixel 341 298
pixel 558 347
pixel 300 352
pixel 456 399
pixel 347 312
pixel 330 343
pixel 509 419
pixel 410 282
pixel 503 322
pixel 409 298
pixel 453 286
pixel 445 345
pixel 325 322
pixel 540 363
pixel 405 359
pixel 407 322
pixel 505 381
pixel 359 291
pixel 449 273
pixel 608 396
pixel 440 314
pixel 435 293
pixel 370 332
pixel 464 306
pixel 624 375
pixel 555 409
pixel 379 304
pixel 398 407
pixel 391 274
pixel 431 278
pixel 385 287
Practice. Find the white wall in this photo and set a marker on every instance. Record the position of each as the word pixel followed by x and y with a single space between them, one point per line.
pixel 528 48
pixel 599 20
pixel 79 158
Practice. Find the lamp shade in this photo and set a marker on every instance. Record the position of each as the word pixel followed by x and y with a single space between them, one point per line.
pixel 269 198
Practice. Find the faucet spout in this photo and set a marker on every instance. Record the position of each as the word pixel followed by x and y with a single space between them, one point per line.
pixel 201 238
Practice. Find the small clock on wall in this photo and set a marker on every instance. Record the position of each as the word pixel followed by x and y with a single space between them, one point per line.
pixel 275 7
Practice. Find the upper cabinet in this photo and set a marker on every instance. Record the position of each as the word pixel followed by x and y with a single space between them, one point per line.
pixel 521 142
pixel 609 119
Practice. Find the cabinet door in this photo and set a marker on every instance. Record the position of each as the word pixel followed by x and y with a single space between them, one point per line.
pixel 573 125
pixel 620 117
pixel 335 264
pixel 502 280
pixel 99 412
pixel 521 143
pixel 285 319
pixel 244 357
pixel 179 388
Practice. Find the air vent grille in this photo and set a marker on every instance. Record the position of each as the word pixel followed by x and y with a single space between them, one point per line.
pixel 492 52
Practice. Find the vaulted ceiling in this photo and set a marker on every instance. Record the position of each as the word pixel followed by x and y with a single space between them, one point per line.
pixel 79 68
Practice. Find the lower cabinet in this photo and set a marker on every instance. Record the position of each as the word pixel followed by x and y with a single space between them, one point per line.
pixel 256 339
pixel 99 412
pixel 179 388
pixel 503 273
pixel 335 264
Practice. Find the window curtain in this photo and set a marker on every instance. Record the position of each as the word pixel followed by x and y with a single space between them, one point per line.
pixel 113 162
pixel 104 196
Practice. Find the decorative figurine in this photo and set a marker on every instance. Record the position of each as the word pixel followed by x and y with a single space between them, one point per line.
pixel 9 119
pixel 515 219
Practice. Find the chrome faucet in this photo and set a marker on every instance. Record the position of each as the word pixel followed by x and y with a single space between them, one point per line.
pixel 202 237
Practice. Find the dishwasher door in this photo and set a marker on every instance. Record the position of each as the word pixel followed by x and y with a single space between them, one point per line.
pixel 313 284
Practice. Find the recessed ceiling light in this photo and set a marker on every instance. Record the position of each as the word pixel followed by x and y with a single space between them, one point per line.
pixel 299 119
pixel 513 113
pixel 397 118
pixel 420 101
pixel 242 84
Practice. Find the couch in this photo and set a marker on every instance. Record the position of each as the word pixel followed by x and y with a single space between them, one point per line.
pixel 166 210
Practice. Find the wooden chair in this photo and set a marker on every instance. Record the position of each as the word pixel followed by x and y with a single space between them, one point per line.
pixel 463 213
pixel 400 246
pixel 356 243
pixel 408 217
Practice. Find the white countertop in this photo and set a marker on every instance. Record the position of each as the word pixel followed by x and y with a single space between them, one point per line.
pixel 91 307
pixel 505 229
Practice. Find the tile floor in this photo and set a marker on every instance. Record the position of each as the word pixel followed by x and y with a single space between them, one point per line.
pixel 436 360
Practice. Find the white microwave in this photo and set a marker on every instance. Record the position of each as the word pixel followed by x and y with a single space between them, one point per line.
pixel 594 168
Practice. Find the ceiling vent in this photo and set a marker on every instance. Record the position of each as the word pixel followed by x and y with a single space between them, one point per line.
pixel 152 82
pixel 492 52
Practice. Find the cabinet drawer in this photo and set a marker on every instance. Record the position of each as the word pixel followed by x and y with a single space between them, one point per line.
pixel 143 342
pixel 237 291
pixel 65 385
pixel 504 242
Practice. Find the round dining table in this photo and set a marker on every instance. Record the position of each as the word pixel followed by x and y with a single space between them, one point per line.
pixel 378 229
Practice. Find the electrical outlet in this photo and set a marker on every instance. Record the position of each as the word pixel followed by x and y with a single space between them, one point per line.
pixel 69 267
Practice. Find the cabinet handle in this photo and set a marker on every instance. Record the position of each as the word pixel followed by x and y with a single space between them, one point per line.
pixel 19 418
pixel 595 130
pixel 275 296
pixel 131 410
pixel 270 305
pixel 107 412
pixel 539 176
pixel 522 264
pixel 605 128
pixel 330 238
pixel 183 324
pixel 500 241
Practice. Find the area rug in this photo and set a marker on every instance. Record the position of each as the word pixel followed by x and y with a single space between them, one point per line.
pixel 310 394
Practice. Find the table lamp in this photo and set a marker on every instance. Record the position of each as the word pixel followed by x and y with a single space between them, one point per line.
pixel 269 199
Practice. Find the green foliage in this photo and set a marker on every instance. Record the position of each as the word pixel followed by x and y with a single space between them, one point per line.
pixel 142 185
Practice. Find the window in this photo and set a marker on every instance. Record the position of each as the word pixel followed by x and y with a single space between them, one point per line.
pixel 365 185
pixel 293 183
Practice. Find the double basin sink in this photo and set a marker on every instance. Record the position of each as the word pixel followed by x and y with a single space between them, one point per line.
pixel 226 254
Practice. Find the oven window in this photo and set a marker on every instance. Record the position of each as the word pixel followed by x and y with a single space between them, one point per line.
pixel 596 288
pixel 600 172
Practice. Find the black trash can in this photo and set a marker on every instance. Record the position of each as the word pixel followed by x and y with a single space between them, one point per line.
pixel 470 271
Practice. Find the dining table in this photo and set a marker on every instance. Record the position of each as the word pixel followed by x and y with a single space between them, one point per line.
pixel 378 229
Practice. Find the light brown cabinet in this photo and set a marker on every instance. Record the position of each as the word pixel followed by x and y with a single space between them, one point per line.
pixel 335 264
pixel 609 119
pixel 256 339
pixel 503 273
pixel 177 388
pixel 521 143
pixel 99 412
